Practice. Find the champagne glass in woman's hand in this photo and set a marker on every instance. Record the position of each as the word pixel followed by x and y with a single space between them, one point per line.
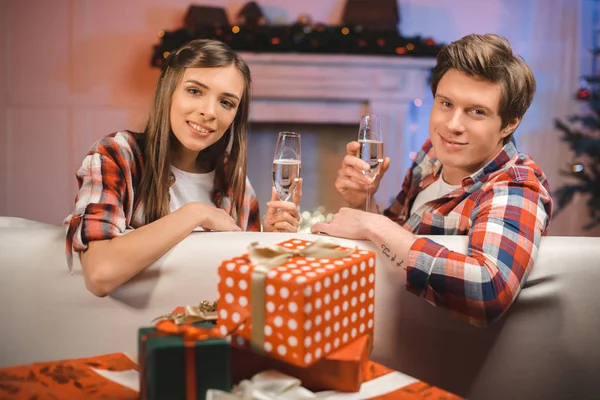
pixel 370 138
pixel 286 164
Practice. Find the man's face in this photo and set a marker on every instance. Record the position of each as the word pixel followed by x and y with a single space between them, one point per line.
pixel 464 124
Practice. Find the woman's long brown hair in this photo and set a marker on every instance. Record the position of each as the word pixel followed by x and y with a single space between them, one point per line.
pixel 230 169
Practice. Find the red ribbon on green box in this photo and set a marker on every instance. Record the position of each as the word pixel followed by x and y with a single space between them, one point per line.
pixel 190 335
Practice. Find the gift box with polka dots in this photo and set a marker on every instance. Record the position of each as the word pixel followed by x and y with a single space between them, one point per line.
pixel 312 306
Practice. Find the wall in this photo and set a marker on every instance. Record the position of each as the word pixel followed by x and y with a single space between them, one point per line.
pixel 76 70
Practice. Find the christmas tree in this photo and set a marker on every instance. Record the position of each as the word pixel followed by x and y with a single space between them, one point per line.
pixel 582 133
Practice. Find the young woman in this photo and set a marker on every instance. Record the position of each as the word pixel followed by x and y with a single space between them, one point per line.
pixel 186 171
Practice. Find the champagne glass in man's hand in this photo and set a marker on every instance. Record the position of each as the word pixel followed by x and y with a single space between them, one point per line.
pixel 286 164
pixel 370 139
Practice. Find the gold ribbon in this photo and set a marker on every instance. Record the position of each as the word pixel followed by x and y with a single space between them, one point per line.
pixel 274 255
pixel 265 258
pixel 205 311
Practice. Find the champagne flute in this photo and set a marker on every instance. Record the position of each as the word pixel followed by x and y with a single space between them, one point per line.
pixel 370 138
pixel 286 164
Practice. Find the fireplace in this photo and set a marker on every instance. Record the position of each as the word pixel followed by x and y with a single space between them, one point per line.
pixel 322 97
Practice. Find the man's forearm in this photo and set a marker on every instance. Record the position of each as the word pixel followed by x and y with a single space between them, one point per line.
pixel 392 240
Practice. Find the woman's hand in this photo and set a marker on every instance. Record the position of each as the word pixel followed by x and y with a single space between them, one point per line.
pixel 212 218
pixel 283 216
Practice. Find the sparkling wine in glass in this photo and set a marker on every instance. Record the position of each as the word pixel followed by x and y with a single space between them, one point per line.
pixel 370 138
pixel 286 164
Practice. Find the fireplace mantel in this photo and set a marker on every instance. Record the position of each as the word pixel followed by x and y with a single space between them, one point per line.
pixel 337 89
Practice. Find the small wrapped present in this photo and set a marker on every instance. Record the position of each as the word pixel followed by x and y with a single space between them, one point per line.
pixel 297 301
pixel 182 361
pixel 342 370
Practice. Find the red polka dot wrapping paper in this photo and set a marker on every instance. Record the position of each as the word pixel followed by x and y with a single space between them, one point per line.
pixel 312 306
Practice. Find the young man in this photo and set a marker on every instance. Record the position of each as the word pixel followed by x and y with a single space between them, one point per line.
pixel 468 179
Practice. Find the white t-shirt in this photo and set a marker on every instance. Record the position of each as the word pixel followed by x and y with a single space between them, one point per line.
pixel 434 191
pixel 189 187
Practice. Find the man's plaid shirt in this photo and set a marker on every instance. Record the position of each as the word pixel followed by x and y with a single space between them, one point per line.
pixel 108 177
pixel 504 208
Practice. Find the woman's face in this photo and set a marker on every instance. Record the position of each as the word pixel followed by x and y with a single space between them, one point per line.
pixel 204 105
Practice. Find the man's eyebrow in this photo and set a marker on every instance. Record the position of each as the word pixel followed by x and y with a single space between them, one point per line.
pixel 202 85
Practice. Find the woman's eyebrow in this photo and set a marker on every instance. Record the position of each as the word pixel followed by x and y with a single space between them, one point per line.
pixel 202 85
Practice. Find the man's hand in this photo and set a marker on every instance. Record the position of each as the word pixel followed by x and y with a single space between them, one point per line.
pixel 351 183
pixel 393 240
pixel 283 216
pixel 349 224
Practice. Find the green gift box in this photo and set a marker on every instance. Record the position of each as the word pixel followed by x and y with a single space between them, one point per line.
pixel 178 365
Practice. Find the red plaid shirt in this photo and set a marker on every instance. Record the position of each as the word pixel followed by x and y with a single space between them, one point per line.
pixel 104 206
pixel 504 208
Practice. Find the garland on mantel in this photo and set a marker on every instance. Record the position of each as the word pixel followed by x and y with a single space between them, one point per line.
pixel 299 38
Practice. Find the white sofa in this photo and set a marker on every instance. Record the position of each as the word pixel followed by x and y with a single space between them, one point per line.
pixel 546 347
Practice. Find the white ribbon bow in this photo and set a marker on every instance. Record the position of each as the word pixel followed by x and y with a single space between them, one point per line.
pixel 267 385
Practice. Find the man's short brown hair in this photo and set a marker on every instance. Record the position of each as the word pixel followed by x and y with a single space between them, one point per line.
pixel 490 57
